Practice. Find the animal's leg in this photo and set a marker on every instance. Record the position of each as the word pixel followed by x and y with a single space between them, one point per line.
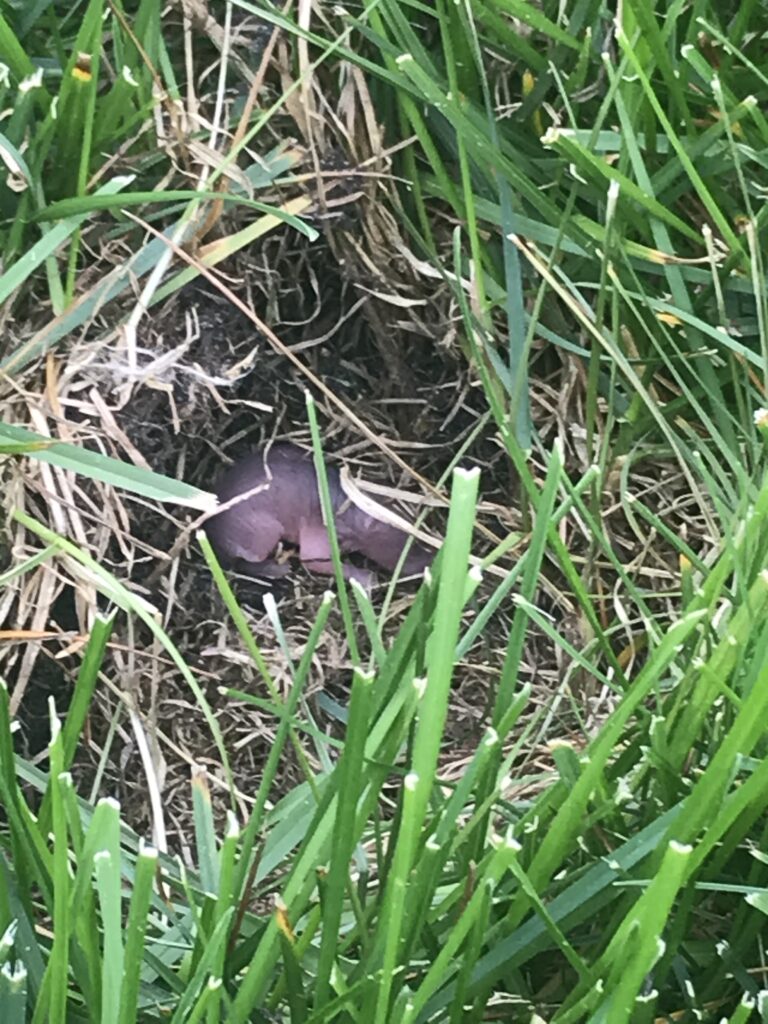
pixel 315 553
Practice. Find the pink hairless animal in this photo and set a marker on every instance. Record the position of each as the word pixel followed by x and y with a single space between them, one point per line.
pixel 287 507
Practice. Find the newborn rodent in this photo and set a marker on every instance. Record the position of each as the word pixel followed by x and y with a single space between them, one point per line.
pixel 287 508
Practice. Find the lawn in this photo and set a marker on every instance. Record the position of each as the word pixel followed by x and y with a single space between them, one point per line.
pixel 500 263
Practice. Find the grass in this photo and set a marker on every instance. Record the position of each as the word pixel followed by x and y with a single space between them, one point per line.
pixel 589 197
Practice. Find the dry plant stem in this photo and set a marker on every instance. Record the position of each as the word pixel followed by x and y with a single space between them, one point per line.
pixel 159 270
pixel 218 205
pixel 170 108
pixel 159 837
pixel 197 12
pixel 529 251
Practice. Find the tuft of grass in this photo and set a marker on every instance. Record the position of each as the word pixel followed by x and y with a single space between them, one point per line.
pixel 475 883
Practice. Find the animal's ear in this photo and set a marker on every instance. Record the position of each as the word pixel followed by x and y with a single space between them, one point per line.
pixel 242 533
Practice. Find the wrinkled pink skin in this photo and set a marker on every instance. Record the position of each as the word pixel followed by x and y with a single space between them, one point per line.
pixel 287 508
